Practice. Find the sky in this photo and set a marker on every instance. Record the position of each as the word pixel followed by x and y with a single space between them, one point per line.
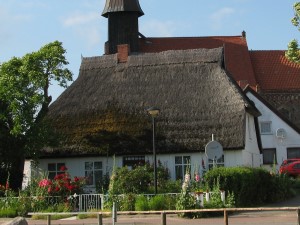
pixel 27 25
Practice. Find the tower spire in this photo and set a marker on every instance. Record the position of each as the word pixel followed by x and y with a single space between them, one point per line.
pixel 122 24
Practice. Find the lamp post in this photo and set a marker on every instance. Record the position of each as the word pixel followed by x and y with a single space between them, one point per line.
pixel 153 112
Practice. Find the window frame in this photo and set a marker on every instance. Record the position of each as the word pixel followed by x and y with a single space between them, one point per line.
pixel 91 172
pixel 292 149
pixel 56 171
pixel 185 162
pixel 269 162
pixel 261 123
pixel 219 163
pixel 134 161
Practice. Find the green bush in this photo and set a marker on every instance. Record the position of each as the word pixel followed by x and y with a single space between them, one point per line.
pixel 127 202
pixel 250 186
pixel 8 213
pixel 158 202
pixel 141 203
pixel 138 180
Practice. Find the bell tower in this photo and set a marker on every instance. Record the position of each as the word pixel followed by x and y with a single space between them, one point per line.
pixel 123 27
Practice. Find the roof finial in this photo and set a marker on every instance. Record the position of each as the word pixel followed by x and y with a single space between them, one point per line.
pixel 244 34
pixel 122 6
pixel 123 24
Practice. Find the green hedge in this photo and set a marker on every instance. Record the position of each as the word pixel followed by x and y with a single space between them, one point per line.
pixel 251 186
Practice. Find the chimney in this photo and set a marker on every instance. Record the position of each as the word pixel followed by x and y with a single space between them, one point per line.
pixel 244 34
pixel 123 53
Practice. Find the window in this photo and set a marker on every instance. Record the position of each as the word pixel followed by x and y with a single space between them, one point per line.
pixel 293 153
pixel 93 172
pixel 133 161
pixel 218 163
pixel 269 156
pixel 265 127
pixel 181 165
pixel 55 169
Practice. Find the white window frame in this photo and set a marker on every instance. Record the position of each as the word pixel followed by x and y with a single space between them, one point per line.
pixel 185 162
pixel 90 172
pixel 263 129
pixel 268 151
pixel 56 170
pixel 218 163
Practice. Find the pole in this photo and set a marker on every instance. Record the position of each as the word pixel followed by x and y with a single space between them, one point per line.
pixel 48 219
pixel 100 222
pixel 163 218
pixel 225 217
pixel 154 157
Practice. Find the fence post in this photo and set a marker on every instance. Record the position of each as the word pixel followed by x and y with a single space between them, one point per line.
pixel 225 217
pixel 100 219
pixel 163 218
pixel 48 219
pixel 298 216
pixel 114 213
pixel 102 201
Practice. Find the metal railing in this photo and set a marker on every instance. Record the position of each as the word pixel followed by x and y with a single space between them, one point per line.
pixel 90 201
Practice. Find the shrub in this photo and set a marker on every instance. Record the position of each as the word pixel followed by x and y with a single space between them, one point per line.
pixel 141 203
pixel 138 180
pixel 8 212
pixel 158 202
pixel 127 202
pixel 250 186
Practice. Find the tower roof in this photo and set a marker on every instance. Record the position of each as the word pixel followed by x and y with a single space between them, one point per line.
pixel 122 6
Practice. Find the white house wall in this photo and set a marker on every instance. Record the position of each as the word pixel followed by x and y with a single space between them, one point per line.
pixel 251 154
pixel 76 165
pixel 270 140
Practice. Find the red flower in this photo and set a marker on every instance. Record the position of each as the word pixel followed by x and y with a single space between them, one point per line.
pixel 57 189
pixel 63 168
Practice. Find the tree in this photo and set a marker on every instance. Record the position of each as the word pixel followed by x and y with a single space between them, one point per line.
pixel 24 102
pixel 293 52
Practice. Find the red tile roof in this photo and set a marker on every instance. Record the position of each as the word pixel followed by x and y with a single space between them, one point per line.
pixel 237 59
pixel 274 72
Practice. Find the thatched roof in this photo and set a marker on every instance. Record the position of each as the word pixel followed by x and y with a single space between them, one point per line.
pixel 105 108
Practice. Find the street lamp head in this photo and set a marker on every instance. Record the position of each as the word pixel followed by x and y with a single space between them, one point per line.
pixel 153 111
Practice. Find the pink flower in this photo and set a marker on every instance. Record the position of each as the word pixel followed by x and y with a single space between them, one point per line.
pixel 45 183
pixel 197 178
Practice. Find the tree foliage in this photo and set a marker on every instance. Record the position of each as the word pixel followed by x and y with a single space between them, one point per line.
pixel 293 52
pixel 24 101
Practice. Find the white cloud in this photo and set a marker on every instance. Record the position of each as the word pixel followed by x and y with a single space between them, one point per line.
pixel 91 35
pixel 80 19
pixel 218 17
pixel 86 26
pixel 158 28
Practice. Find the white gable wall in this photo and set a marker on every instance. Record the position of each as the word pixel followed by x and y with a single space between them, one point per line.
pixel 270 140
pixel 251 154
